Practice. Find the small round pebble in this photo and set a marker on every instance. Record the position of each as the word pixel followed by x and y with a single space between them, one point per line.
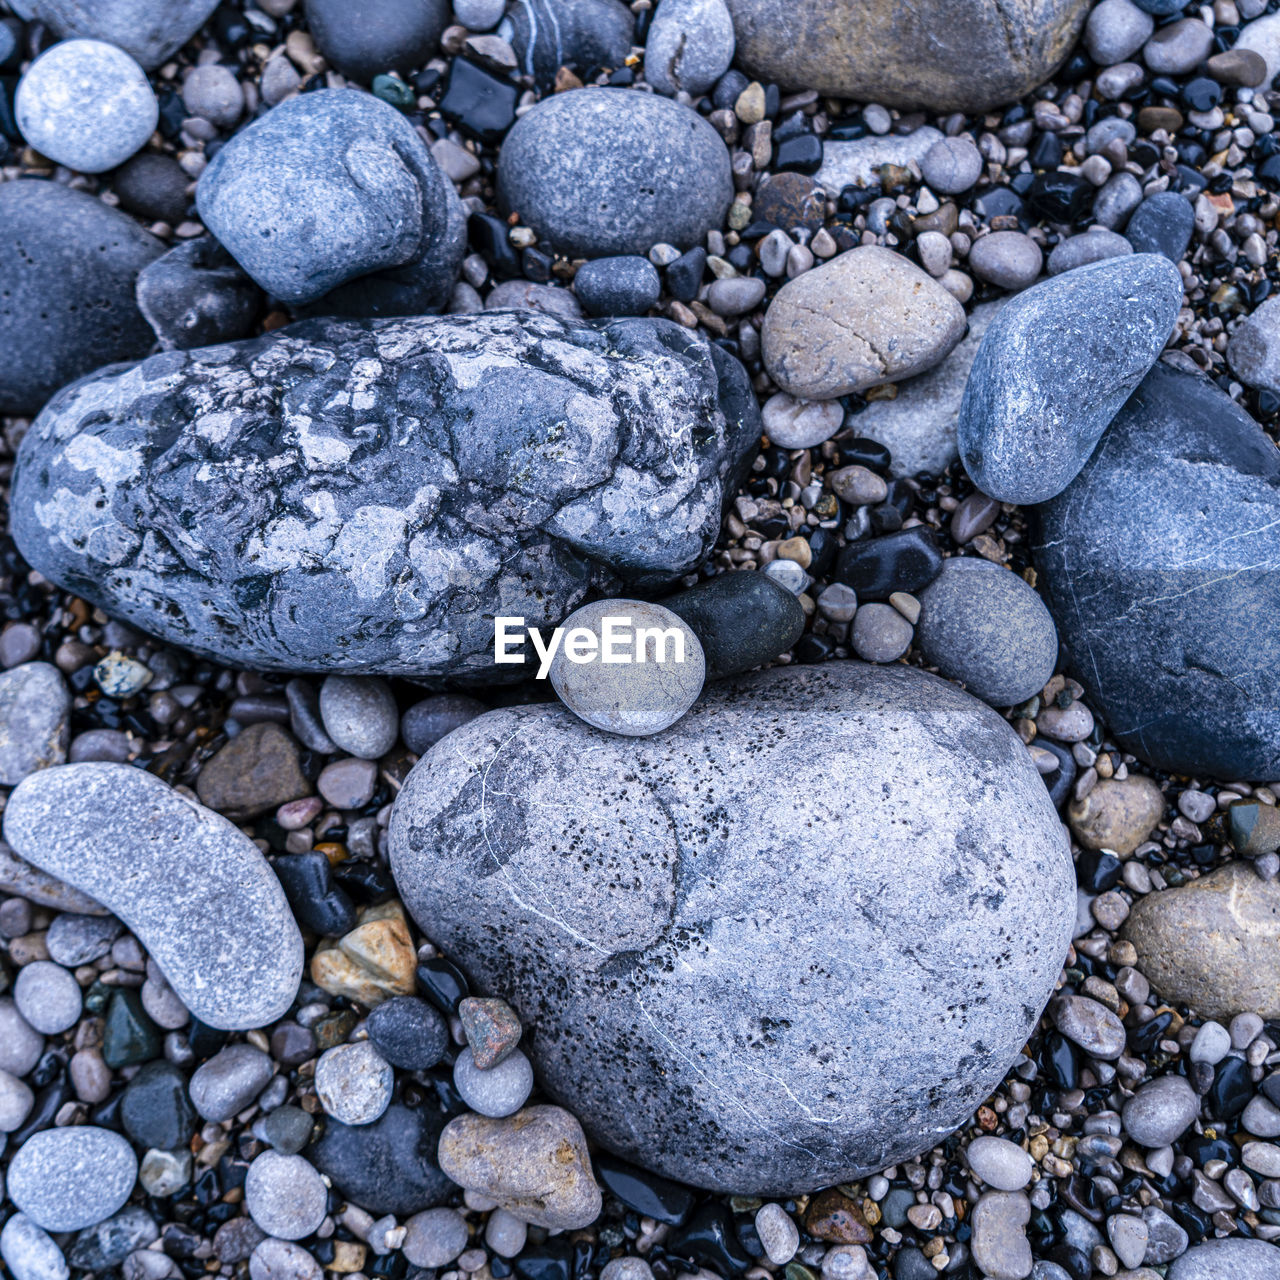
pixel 1006 259
pixel 16 1101
pixel 69 1178
pixel 1161 1111
pixel 1212 1043
pixel 74 940
pixel 48 997
pixel 999 1163
pixel 880 633
pixel 29 1253
pixel 624 285
pixel 778 1233
pixel 354 1082
pixel 951 165
pixel 426 722
pixel 434 1237
pixel 360 715
pixel 349 783
pixel 408 1032
pixel 736 295
pixel 20 1043
pixel 285 1195
pixel 274 1259
pixel 213 92
pixel 288 1129
pixel 500 1091
pixel 479 15
pixel 800 424
pixel 230 1081
pixel 505 1234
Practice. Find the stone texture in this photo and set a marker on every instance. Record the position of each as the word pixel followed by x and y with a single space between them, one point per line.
pixel 879 921
pixel 149 30
pixel 35 720
pixel 256 772
pixel 533 460
pixel 1254 349
pixel 69 1178
pixel 379 35
pixel 858 162
pixel 20 877
pixel 689 46
pixel 1117 815
pixel 583 34
pixel 195 890
pixel 1237 1258
pixel 195 296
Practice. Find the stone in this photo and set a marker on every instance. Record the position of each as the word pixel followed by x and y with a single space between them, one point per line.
pixel 35 720
pixel 288 1129
pixel 583 34
pixel 577 468
pixel 1262 36
pixel 867 317
pixel 880 633
pixel 153 186
pixel 789 201
pixel 372 962
pixel 86 104
pixel 951 165
pixel 778 1233
pixel 213 93
pixel 434 1237
pixel 1128 1235
pixel 16 1101
pixel 255 773
pixel 1178 47
pixel 382 35
pixel 978 55
pixel 689 46
pixel 496 1091
pixel 285 1195
pixel 29 1253
pixel 1155 564
pixel 65 1179
pixel 196 296
pixel 1095 245
pixel 478 15
pixel 20 1043
pixel 195 890
pixel 800 424
pixel 1115 31
pixel 568 169
pixel 491 1028
pixel 348 784
pixel 1001 1164
pixel 619 286
pixel 1210 943
pixel 999 1241
pixel 274 1259
pixel 165 1173
pixel 1091 1025
pixel 905 561
pixel 66 290
pixel 408 1033
pixel 331 186
pixel 354 1082
pixel 986 628
pixel 155 1109
pixel 47 996
pixel 1117 815
pixel 1031 417
pixel 426 722
pixel 149 30
pixel 613 972
pixel 129 1037
pixel 535 1164
pixel 360 715
pixel 1161 1111
pixel 1166 1239
pixel 1241 1259
pixel 1254 349
pixel 520 295
pixel 859 162
pixel 229 1082
pixel 1162 223
pixel 1006 259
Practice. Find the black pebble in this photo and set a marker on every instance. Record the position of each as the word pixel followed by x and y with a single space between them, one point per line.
pixel 443 984
pixel 478 102
pixel 801 154
pixel 408 1032
pixel 904 561
pixel 647 1193
pixel 316 901
pixel 155 1110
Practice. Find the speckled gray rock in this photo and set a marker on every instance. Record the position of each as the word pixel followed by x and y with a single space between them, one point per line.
pixel 549 34
pixel 20 877
pixel 74 940
pixel 29 1253
pixel 354 1082
pixel 1161 1111
pixel 1162 223
pixel 1237 1258
pixel 285 1195
pixel 65 1179
pixel 1254 349
pixel 20 1043
pixel 1007 259
pixel 149 30
pixel 35 720
pixel 229 1081
pixel 283 1260
pixel 331 186
pixel 625 285
pixel 195 889
pixel 195 295
pixel 984 626
pixel 499 1090
pixel 1161 566
pixel 1031 413
pixel 604 171
pixel 951 165
pixel 47 996
pixel 645 942
pixel 1115 31
pixel 689 46
pixel 1095 245
pixel 360 715
pixel 858 162
pixel 530 463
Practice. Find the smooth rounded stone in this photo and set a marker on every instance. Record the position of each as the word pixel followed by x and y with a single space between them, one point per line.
pixel 19 643
pixel 742 620
pixel 1110 128
pixel 1210 943
pixel 164 1173
pixel 354 1082
pixel 153 186
pixel 611 979
pixel 360 715
pixel 608 171
pixel 1006 259
pixel 86 104
pixel 1090 1025
pixel 1178 47
pixel 1262 36
pixel 1234 1257
pixel 604 468
pixel 546 35
pixel 800 424
pixel 1115 31
pixel 100 744
pixel 1254 348
pixel 47 996
pixel 288 1129
pixel 550 299
pixel 1095 245
pixel 155 1109
pixel 29 1253
pixel 1129 1237
pixel 408 1033
pixel 999 1163
pixel 1117 815
pixel 534 1164
pixel 255 773
pixel 388 1166
pixel 1261 1118
pixel 1211 1044
pixel 1162 224
pixel 378 35
pixel 951 165
pixel 274 1259
pixel 1032 415
pixel 491 1029
pixel 194 889
pixel 213 93
pixel 1240 67
pixel 880 633
pixel 618 286
pixel 478 15
pixel 196 296
pixel 426 722
pixel 230 1081
pixel 65 1179
pixel 689 46
pixel 499 1091
pixel 20 1043
pixel 735 296
pixel 505 1234
pixel 35 720
pixel 778 1234
pixel 349 783
pixel 148 30
pixel 656 674
pixel 1161 1111
pixel 984 626
pixel 978 55
pixel 161 1002
pixel 16 1101
pixel 331 186
pixel 868 316
pixel 999 1241
pixel 1158 566
pixel 284 1195
pixel 434 1237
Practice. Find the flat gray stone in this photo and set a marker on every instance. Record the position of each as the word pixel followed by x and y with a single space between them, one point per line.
pixel 229 1081
pixel 20 877
pixel 1254 349
pixel 29 1253
pixel 285 1195
pixel 192 887
pixel 35 720
pixel 149 30
pixel 689 46
pixel 65 1179
pixel 649 958
pixel 1161 1111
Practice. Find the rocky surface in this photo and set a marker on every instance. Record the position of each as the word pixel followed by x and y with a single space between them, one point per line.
pixel 150 30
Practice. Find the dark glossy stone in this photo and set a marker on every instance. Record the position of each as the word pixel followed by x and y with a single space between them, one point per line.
pixel 904 561
pixel 1061 197
pixel 129 1036
pixel 624 285
pixel 550 1261
pixel 790 200
pixel 649 1194
pixel 156 1111
pixel 709 1240
pixel 1162 223
pixel 1232 1088
pixel 376 35
pixel 442 983
pixel 408 1033
pixel 1098 871
pixel 802 154
pixel 684 276
pixel 480 103
pixel 317 902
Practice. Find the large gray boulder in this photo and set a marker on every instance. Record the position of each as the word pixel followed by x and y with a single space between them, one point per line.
pixel 365 496
pixel 745 965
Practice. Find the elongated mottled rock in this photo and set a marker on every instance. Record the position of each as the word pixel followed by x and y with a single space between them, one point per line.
pixel 365 496
pixel 194 888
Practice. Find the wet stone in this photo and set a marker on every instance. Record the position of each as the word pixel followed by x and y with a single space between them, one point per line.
pixel 129 1036
pixel 155 1109
pixel 195 296
pixel 625 285
pixel 905 561
pixel 999 1163
pixel 285 1195
pixel 317 902
pixel 230 1081
pixel 1090 1025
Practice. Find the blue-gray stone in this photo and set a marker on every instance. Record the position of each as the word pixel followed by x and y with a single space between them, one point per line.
pixel 66 1179
pixel 364 39
pixel 689 46
pixel 109 1243
pixel 195 296
pixel 1162 223
pixel 1161 565
pixel 580 34
pixel 1239 1259
pixel 623 286
pixel 150 30
pixel 1095 245
pixel 1033 410
pixel 1161 8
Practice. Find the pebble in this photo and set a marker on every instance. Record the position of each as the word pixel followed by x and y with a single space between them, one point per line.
pixel 549 34
pixel 229 1082
pixel 86 104
pixel 1163 224
pixel 348 784
pixel 859 163
pixel 1095 245
pixel 778 1233
pixel 360 715
pixel 1234 1257
pixel 257 771
pixel 382 35
pixel 288 1129
pixel 800 424
pixel 689 46
pixel 880 633
pixel 951 165
pixel 1212 1043
pixel 435 1237
pixel 47 996
pixel 505 1234
pixel 1178 47
pixel 354 1082
pixel 16 1101
pixel 153 186
pixel 999 1242
pixel 627 285
pixel 408 1033
pixel 196 296
pixel 500 1090
pixel 20 1044
pixel 479 15
pixel 1254 348
pixel 905 561
pixel 213 92
pixel 285 1195
pixel 164 1172
pixel 19 643
pixel 1001 1164
pixel 274 1259
pixel 1161 1111
pixel 29 1253
pixel 1118 814
pixel 426 722
pixel 66 1179
pixel 735 296
pixel 155 1109
pixel 35 719
pixel 1007 259
pixel 1115 31
pixel 1129 1236
pixel 1262 36
pixel 491 1028
pixel 1090 1025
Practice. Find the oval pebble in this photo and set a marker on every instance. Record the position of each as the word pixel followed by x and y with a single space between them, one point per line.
pixel 66 1179
pixel 1160 1111
pixel 20 1043
pixel 285 1196
pixel 354 1082
pixel 48 997
pixel 800 424
pixel 501 1090
pixel 35 710
pixel 360 715
pixel 999 1163
pixel 282 1260
pixel 29 1253
pixel 435 1237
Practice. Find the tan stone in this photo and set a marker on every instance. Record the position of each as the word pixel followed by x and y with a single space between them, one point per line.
pixel 257 771
pixel 866 317
pixel 1117 815
pixel 374 961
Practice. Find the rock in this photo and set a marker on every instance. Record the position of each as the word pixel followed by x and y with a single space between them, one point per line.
pixel 999 1163
pixel 880 633
pixel 1030 418
pixel 689 46
pixel 919 425
pixel 619 286
pixel 1006 259
pixel 1154 565
pixel 1095 245
pixel 583 34
pixel 491 1028
pixel 1115 31
pixel 360 715
pixel 858 163
pixel 255 773
pixel 655 673
pixel 155 1109
pixel 866 317
pixel 1128 1235
pixel 229 1082
pixel 16 1101
pixel 29 1253
pixel 1210 943
pixel 348 784
pixel 194 889
pixel 999 1242
pixel 951 165
pixel 86 104
pixel 985 627
pixel 1262 36
pixel 978 55
pixel 1241 1259
pixel 375 960
pixel 285 1195
pixel 1161 1111
pixel 382 35
pixel 1162 223
pixel 148 30
pixel 1117 815
pixel 331 186
pixel 496 1091
pixel 800 424
pixel 742 620
pixel 778 1234
pixel 1254 349
pixel 152 186
pixel 48 997
pixel 612 980
pixel 550 299
pixel 274 1259
pixel 561 481
pixel 74 940
pixel 66 289
pixel 435 1237
pixel 569 167
pixel 408 1033
pixel 535 1164
pixel 20 1044
pixel 1166 1240
pixel 196 296
pixel 1091 1025
pixel 354 1082
pixel 35 720
pixel 1178 47
pixel 426 722
pixel 65 1179
pixel 877 568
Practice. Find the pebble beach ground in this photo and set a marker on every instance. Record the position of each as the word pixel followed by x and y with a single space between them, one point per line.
pixel 924 356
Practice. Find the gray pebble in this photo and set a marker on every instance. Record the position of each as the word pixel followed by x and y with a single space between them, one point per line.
pixel 505 1234
pixel 230 1081
pixel 48 997
pixel 280 78
pixel 1090 1025
pixel 1245 1028
pixel 1165 1239
pixel 1161 1111
pixel 1117 198
pixel 20 1043
pixel 951 165
pixel 1261 1117
pixel 16 1101
pixel 100 744
pixel 1115 31
pixel 1110 128
pixel 288 1129
pixel 1178 48
pixel 285 1195
pixel 501 1090
pixel 999 1241
pixel 520 295
pixel 1006 259
pixel 354 1082
pixel 1128 1235
pixel 282 1260
pixel 349 783
pixel 478 15
pixel 35 711
pixel 65 1179
pixel 213 92
pixel 1093 246
pixel 689 46
pixel 426 722
pixel 1254 348
pixel 360 714
pixel 1233 1257
pixel 19 643
pixel 164 1172
pixel 1001 1164
pixel 778 1234
pixel 624 285
pixel 880 633
pixel 74 940
pixel 435 1237
pixel 626 1268
pixel 29 1253
pixel 162 1002
pixel 736 295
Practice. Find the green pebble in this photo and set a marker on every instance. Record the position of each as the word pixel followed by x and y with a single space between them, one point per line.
pixel 393 90
pixel 129 1036
pixel 798 1271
